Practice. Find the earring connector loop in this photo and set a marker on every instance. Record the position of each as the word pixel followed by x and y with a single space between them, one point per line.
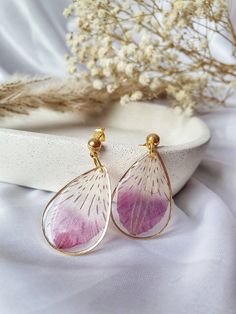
pixel 95 145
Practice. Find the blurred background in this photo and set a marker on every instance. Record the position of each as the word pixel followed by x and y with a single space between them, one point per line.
pixel 32 37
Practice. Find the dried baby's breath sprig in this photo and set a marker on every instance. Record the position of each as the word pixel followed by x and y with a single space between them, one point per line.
pixel 135 50
pixel 160 47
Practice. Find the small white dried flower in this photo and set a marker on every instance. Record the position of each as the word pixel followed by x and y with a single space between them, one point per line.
pixel 107 72
pixel 136 96
pixel 145 41
pixel 129 70
pixel 125 99
pixel 98 84
pixel 121 66
pixel 155 84
pixel 131 48
pixel 72 69
pixel 149 51
pixel 189 111
pixel 144 79
pixel 102 51
pixel 90 64
pixel 68 11
pixel 111 88
pixel 95 72
pixel 180 96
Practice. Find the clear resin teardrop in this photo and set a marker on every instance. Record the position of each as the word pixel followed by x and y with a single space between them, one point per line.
pixel 76 219
pixel 141 204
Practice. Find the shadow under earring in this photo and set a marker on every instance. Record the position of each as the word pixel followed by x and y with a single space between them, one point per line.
pixel 142 200
pixel 76 219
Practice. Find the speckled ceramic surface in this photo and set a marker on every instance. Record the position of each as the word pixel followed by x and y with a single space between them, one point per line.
pixel 47 150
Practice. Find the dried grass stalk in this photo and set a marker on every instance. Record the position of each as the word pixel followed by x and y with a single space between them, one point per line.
pixel 25 94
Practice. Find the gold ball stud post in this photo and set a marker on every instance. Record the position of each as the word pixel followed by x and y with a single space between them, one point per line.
pixel 94 145
pixel 153 139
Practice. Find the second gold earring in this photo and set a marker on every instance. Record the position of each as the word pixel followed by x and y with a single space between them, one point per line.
pixel 142 200
pixel 76 218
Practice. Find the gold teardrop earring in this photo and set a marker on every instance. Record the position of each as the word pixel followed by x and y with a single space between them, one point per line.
pixel 142 200
pixel 76 218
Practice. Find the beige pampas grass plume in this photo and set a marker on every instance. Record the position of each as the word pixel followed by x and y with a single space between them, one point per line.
pixel 24 94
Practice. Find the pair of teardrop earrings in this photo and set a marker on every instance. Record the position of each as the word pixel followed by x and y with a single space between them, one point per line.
pixel 76 218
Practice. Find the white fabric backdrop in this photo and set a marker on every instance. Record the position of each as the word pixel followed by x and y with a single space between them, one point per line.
pixel 190 269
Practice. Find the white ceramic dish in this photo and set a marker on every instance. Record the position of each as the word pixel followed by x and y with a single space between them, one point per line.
pixel 47 149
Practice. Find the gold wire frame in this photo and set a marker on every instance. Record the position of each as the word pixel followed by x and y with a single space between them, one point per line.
pixel 83 252
pixel 171 200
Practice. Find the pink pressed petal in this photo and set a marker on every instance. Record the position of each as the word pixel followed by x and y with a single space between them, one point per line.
pixel 138 212
pixel 142 200
pixel 70 229
pixel 75 220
